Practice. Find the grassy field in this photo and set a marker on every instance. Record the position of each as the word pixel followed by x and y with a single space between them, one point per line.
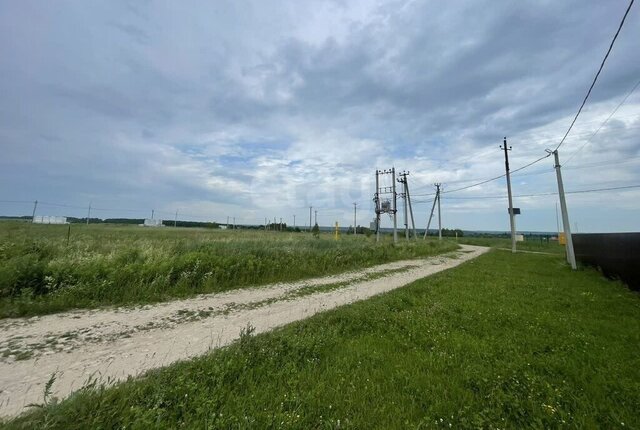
pixel 43 272
pixel 530 244
pixel 501 342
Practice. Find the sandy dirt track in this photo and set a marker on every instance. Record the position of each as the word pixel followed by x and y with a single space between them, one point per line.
pixel 113 344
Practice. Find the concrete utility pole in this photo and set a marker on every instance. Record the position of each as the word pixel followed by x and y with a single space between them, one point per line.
pixel 386 205
pixel 234 223
pixel 512 216
pixel 354 218
pixel 175 220
pixel 395 204
pixel 403 180
pixel 294 221
pixel 413 221
pixel 310 207
pixel 406 214
pixel 89 213
pixel 35 205
pixel 280 224
pixel 439 213
pixel 407 205
pixel 152 212
pixel 315 219
pixel 571 257
pixel 376 199
pixel 435 200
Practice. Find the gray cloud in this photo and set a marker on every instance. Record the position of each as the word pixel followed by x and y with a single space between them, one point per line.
pixel 226 107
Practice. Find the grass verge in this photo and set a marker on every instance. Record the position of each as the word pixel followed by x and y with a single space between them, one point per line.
pixel 503 341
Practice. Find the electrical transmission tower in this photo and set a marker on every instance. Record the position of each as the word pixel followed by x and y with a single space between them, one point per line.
pixel 384 204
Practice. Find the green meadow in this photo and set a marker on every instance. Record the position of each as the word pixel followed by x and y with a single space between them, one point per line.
pixel 52 268
pixel 502 341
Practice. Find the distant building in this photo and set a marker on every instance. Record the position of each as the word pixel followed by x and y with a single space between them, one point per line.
pixel 49 219
pixel 152 222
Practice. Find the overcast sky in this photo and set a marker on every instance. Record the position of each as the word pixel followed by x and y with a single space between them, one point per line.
pixel 259 109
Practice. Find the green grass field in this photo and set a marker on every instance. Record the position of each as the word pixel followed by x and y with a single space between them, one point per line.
pixel 535 244
pixel 502 341
pixel 43 272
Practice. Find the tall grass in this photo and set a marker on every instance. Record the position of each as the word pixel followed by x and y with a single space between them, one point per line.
pixel 500 342
pixel 42 272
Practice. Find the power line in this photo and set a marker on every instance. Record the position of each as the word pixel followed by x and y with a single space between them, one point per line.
pixel 595 79
pixel 605 121
pixel 552 193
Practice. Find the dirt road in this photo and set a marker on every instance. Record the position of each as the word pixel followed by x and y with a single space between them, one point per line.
pixel 115 343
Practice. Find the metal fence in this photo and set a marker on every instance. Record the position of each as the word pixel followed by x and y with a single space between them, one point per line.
pixel 616 254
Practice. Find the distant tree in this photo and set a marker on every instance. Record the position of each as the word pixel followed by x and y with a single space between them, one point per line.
pixel 452 233
pixel 316 231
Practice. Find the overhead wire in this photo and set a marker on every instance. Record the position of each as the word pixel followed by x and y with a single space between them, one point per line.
pixel 595 79
pixel 551 193
pixel 604 123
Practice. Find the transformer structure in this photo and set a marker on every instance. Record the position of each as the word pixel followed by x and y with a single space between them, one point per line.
pixel 385 199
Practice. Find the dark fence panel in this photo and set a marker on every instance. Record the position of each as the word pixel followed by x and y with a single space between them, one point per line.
pixel 617 254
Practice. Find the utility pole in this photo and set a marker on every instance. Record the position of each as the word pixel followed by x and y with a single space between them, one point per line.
pixel 175 220
pixel 402 179
pixel 234 223
pixel 512 216
pixel 439 213
pixel 152 212
pixel 354 218
pixel 310 207
pixel 89 213
pixel 571 257
pixel 280 224
pixel 386 206
pixel 315 219
pixel 435 200
pixel 35 205
pixel 413 221
pixel 294 221
pixel 407 206
pixel 376 199
pixel 395 208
